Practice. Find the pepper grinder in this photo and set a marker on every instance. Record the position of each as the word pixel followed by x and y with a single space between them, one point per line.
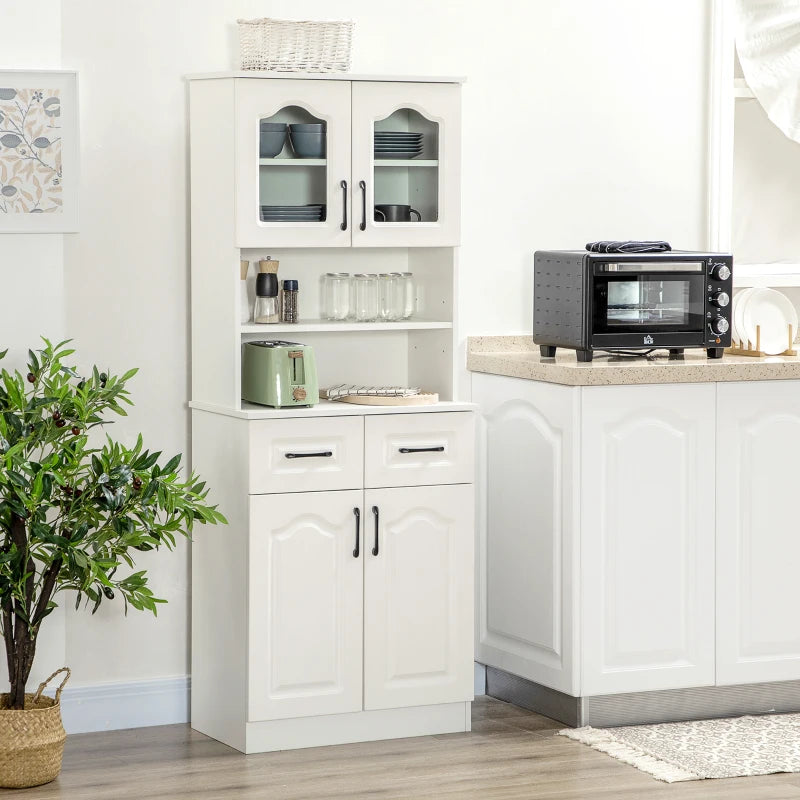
pixel 266 306
pixel 244 300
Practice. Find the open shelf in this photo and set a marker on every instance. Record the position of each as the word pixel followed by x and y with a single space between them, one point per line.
pixel 346 326
pixel 769 275
pixel 405 162
pixel 292 162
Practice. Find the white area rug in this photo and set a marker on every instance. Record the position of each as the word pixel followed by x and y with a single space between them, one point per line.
pixel 712 748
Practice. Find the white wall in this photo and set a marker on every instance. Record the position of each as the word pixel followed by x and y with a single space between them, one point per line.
pixel 576 126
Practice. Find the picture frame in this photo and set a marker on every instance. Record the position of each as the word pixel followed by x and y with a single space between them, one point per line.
pixel 39 151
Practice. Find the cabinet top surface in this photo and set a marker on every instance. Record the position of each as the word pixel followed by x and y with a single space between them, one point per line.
pixel 518 357
pixel 326 408
pixel 325 76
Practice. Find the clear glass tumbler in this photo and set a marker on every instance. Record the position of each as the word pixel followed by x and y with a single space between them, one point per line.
pixel 387 292
pixel 365 292
pixel 408 294
pixel 337 304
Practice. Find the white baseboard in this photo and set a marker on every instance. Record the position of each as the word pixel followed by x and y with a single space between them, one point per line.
pixel 138 704
pixel 480 679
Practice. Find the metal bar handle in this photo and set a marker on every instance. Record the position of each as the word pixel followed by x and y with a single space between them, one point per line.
pixel 363 186
pixel 437 449
pixel 343 184
pixel 357 514
pixel 323 454
pixel 376 513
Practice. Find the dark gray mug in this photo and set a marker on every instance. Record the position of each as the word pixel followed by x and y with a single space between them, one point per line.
pixel 395 213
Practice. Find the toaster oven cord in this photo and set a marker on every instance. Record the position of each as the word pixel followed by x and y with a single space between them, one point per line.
pixel 630 353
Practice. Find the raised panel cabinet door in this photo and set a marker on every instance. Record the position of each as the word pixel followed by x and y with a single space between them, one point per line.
pixel 647 537
pixel 275 193
pixel 406 152
pixel 418 596
pixel 527 529
pixel 305 605
pixel 758 537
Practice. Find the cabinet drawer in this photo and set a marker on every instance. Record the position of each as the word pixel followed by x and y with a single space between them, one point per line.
pixel 419 449
pixel 306 455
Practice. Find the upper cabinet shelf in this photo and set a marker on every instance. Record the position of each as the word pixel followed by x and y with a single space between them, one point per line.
pixel 370 163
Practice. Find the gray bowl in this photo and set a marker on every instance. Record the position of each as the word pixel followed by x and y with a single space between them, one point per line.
pixel 273 126
pixel 271 143
pixel 307 127
pixel 308 145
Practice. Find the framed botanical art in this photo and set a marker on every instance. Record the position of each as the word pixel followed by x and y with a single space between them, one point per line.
pixel 39 172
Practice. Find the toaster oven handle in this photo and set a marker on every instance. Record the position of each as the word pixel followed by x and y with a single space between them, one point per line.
pixel 437 449
pixel 323 454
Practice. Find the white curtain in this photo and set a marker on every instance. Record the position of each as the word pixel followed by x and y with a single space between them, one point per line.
pixel 768 44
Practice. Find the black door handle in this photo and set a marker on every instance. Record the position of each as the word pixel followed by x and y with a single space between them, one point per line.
pixel 437 449
pixel 375 513
pixel 343 184
pixel 357 513
pixel 363 186
pixel 323 454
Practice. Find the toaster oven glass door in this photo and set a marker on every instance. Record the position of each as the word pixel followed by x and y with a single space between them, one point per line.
pixel 655 302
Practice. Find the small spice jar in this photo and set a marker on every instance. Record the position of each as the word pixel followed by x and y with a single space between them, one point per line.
pixel 289 311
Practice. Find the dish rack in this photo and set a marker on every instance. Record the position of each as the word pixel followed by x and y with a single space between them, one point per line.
pixel 379 395
pixel 754 348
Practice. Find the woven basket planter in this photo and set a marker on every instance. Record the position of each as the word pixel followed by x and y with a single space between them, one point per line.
pixel 284 45
pixel 32 741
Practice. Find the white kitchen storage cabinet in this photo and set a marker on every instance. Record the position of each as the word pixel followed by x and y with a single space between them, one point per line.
pixel 637 554
pixel 337 604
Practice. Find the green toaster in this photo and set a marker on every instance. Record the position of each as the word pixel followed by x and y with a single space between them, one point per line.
pixel 279 374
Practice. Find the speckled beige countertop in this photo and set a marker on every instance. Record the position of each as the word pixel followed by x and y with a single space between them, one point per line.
pixel 518 357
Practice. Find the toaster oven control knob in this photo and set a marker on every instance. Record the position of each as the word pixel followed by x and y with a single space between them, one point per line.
pixel 720 326
pixel 721 299
pixel 721 272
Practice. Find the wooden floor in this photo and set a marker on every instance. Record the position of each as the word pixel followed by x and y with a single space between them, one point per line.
pixel 511 753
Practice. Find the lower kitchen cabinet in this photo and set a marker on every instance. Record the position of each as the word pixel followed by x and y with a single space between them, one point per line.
pixel 324 616
pixel 758 538
pixel 306 600
pixel 417 605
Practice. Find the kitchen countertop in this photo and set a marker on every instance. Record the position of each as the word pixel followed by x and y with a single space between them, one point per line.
pixel 518 357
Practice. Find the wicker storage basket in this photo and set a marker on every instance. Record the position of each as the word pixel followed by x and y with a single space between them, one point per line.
pixel 32 741
pixel 284 45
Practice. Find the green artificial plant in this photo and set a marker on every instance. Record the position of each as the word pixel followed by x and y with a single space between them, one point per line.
pixel 74 510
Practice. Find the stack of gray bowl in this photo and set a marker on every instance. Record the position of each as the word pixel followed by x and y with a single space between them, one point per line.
pixel 273 137
pixel 308 139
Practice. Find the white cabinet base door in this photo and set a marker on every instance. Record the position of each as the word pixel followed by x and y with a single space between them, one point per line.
pixel 647 537
pixel 758 536
pixel 528 529
pixel 305 601
pixel 418 596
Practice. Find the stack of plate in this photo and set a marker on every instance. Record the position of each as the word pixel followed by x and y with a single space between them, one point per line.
pixel 397 144
pixel 771 311
pixel 309 213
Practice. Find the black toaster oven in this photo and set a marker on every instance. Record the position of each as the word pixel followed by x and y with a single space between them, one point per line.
pixel 631 301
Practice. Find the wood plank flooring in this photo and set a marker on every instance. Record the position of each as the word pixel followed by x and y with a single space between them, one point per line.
pixel 511 754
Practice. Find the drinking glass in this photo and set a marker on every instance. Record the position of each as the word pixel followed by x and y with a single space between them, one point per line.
pixel 387 292
pixel 365 291
pixel 408 294
pixel 337 302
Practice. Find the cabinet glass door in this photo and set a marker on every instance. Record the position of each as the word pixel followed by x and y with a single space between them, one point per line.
pixel 406 164
pixel 293 163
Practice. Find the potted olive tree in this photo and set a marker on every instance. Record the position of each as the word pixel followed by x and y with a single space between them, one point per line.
pixel 75 509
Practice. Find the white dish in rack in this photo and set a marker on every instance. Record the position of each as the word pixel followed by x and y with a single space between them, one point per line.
pixel 773 313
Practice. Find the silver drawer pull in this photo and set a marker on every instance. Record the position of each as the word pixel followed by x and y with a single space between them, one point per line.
pixel 323 454
pixel 438 449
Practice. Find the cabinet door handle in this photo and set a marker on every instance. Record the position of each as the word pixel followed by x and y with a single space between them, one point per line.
pixel 323 454
pixel 357 513
pixel 363 186
pixel 343 184
pixel 375 513
pixel 438 449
